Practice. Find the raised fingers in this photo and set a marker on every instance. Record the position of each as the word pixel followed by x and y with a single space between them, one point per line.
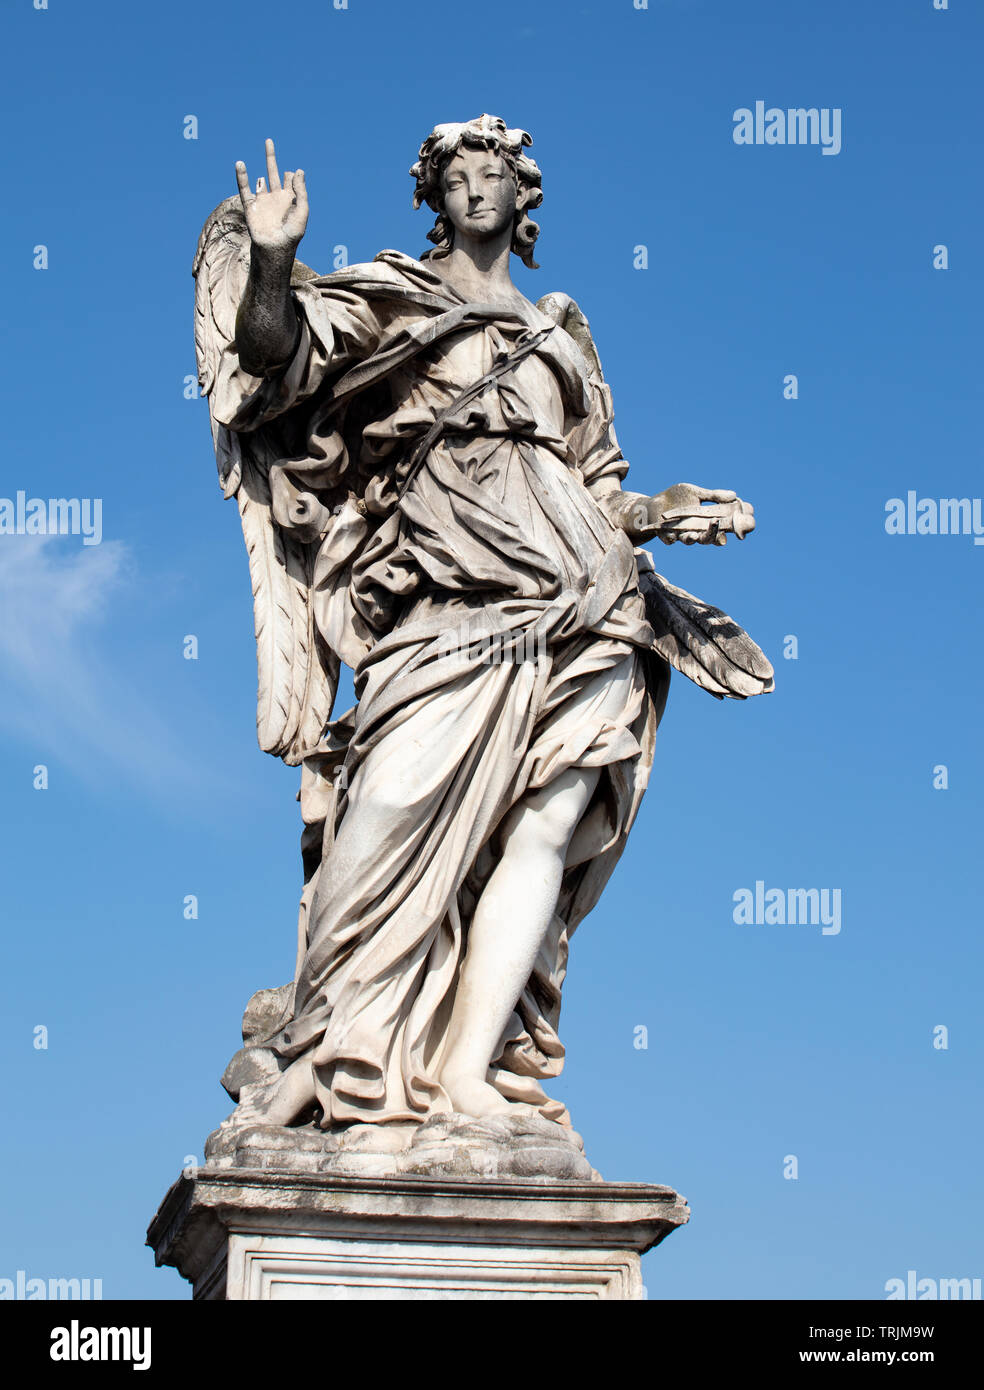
pixel 242 179
pixel 273 177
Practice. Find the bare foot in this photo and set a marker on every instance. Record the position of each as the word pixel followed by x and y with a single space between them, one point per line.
pixel 469 1096
pixel 279 1101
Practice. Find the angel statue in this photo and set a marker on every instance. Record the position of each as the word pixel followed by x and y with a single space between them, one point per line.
pixel 430 491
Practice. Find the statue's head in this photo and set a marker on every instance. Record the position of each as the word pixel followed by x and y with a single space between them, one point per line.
pixel 477 179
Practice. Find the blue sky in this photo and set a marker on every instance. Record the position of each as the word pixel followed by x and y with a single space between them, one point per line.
pixel 763 261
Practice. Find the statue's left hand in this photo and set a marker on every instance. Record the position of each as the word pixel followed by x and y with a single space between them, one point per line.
pixel 698 515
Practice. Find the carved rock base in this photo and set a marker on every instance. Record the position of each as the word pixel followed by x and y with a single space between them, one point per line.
pixel 260 1234
pixel 518 1145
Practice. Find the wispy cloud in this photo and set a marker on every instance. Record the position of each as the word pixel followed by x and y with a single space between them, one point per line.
pixel 62 689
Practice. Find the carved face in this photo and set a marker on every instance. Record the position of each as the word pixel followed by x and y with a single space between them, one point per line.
pixel 479 193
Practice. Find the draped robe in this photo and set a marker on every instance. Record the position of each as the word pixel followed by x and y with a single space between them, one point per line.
pixel 493 618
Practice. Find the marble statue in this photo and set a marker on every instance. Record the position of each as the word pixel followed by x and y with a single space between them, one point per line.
pixel 431 492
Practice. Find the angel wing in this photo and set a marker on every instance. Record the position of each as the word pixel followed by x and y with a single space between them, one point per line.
pixel 702 642
pixel 297 672
pixel 697 639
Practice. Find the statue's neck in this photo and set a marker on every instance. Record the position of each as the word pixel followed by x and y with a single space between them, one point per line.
pixel 479 269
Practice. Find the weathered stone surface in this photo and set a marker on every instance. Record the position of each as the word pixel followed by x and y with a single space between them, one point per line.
pixel 250 1066
pixel 431 492
pixel 449 520
pixel 451 1145
pixel 261 1235
pixel 267 1011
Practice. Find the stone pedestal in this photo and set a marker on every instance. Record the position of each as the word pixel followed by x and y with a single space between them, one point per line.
pixel 247 1234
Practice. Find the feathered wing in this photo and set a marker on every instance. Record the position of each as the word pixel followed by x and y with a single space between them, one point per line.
pixel 700 641
pixel 703 643
pixel 297 672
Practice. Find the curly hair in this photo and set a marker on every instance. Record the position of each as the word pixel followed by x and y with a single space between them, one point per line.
pixel 484 132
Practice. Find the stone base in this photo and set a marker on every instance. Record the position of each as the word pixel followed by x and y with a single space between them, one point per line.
pixel 249 1234
pixel 521 1144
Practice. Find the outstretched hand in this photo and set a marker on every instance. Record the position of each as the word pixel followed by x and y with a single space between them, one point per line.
pixel 699 515
pixel 277 213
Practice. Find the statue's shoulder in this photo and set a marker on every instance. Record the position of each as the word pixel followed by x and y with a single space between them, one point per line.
pixel 564 311
pixel 556 305
pixel 388 272
pixel 387 266
pixel 404 264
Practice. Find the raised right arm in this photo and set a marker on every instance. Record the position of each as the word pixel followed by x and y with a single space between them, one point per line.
pixel 267 330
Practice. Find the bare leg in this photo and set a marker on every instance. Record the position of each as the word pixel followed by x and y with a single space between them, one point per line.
pixel 510 921
pixel 512 917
